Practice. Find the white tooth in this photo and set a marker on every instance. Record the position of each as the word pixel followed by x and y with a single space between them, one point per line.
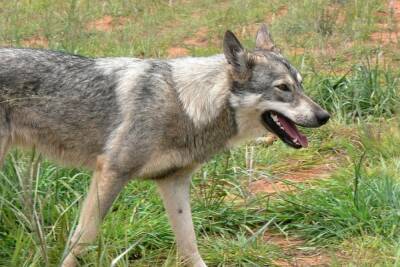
pixel 295 140
pixel 276 120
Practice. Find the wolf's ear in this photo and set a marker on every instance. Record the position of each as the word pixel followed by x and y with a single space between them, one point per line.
pixel 237 56
pixel 264 39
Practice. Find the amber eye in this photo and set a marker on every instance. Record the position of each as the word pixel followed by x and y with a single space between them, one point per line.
pixel 283 87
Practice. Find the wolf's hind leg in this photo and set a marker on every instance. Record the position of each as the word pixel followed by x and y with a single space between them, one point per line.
pixel 4 147
pixel 5 135
pixel 175 192
pixel 104 188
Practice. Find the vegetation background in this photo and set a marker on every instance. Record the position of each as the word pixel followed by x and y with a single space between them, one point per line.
pixel 336 203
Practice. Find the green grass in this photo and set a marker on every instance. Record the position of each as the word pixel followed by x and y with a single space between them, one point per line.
pixel 359 202
pixel 353 214
pixel 343 207
pixel 367 90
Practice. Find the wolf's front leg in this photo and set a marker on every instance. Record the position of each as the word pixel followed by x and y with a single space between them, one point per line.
pixel 104 188
pixel 175 192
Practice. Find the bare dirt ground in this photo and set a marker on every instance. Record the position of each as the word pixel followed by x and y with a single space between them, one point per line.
pixel 287 181
pixel 200 38
pixel 37 41
pixel 296 256
pixel 176 51
pixel 106 23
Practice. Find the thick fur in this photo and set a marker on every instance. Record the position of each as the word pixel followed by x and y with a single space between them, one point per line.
pixel 74 108
pixel 128 118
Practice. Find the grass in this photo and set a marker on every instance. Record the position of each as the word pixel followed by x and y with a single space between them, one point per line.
pixel 367 90
pixel 353 214
pixel 340 208
pixel 360 202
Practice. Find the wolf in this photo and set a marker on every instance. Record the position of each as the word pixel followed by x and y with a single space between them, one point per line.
pixel 128 118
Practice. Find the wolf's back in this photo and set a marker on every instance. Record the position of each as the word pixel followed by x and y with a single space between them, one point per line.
pixel 34 72
pixel 45 93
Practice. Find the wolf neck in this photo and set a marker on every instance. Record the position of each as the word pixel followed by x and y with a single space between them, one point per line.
pixel 203 86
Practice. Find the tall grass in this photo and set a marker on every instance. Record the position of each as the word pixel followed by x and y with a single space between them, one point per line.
pixel 363 200
pixel 33 213
pixel 335 211
pixel 367 90
pixel 37 217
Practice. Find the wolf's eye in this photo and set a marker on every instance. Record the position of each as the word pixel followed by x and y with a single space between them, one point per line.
pixel 283 87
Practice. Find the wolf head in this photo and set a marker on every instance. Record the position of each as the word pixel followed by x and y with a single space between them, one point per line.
pixel 268 85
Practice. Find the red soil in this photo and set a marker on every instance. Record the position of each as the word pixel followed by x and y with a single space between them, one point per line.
pixel 174 52
pixel 106 23
pixel 297 257
pixel 291 177
pixel 200 38
pixel 37 41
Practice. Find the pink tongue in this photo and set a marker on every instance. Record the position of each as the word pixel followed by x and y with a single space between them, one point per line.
pixel 292 131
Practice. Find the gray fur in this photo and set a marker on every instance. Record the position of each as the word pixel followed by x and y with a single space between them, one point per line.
pixel 55 101
pixel 126 118
pixel 72 98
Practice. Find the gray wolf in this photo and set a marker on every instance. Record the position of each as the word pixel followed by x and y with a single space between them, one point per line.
pixel 127 118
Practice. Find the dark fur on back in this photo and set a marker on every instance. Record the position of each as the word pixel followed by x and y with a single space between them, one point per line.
pixel 57 97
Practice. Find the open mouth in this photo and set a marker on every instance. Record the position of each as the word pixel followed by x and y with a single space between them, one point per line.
pixel 284 128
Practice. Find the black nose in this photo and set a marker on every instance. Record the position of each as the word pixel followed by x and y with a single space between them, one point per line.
pixel 323 117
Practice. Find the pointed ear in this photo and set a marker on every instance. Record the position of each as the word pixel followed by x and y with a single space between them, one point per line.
pixel 237 56
pixel 264 39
